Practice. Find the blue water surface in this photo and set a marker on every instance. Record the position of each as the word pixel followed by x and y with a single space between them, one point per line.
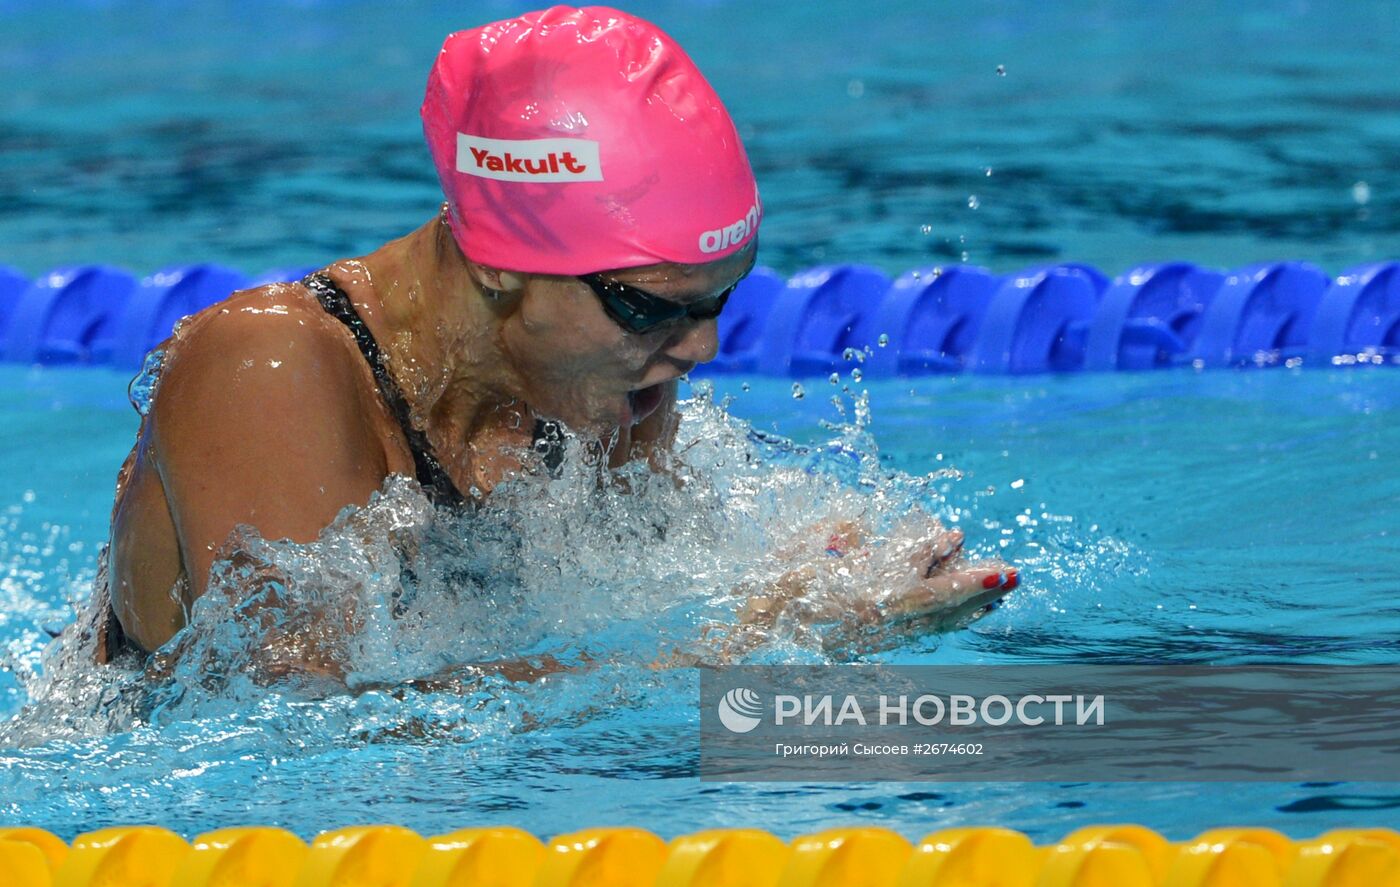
pixel 263 134
pixel 1167 517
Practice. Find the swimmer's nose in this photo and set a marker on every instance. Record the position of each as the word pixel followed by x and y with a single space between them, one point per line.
pixel 696 342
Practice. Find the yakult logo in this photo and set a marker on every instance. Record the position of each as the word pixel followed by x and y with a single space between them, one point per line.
pixel 529 160
pixel 721 238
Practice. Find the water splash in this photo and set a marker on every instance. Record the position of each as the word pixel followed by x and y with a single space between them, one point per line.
pixel 142 389
pixel 429 618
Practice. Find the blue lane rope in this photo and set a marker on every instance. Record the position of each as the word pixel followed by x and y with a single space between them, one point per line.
pixel 1047 318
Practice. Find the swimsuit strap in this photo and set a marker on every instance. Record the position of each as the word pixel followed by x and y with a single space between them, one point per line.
pixel 435 481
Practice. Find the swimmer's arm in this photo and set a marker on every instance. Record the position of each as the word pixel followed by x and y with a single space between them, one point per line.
pixel 463 679
pixel 255 423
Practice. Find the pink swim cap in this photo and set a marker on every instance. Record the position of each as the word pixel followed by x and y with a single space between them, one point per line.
pixel 571 141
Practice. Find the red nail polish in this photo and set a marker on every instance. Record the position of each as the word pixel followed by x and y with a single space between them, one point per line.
pixel 992 580
pixel 1011 582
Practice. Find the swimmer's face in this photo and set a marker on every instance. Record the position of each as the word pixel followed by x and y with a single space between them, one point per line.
pixel 581 367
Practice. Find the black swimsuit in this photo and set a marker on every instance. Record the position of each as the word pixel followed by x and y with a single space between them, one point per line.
pixel 439 488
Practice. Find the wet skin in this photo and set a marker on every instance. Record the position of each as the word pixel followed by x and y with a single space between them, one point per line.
pixel 268 415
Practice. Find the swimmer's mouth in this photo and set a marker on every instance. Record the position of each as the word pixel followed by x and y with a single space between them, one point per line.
pixel 644 401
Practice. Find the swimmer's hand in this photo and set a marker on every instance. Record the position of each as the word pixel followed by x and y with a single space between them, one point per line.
pixel 915 580
pixel 860 598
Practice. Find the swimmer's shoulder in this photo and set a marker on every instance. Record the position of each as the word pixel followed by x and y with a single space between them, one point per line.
pixel 276 316
pixel 279 330
pixel 275 357
pixel 259 418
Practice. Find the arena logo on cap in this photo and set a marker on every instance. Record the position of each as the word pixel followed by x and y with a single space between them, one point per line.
pixel 721 238
pixel 529 160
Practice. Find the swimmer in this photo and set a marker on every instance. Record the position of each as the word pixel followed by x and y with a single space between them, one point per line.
pixel 600 210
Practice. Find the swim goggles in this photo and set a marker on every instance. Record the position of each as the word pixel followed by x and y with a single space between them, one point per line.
pixel 638 311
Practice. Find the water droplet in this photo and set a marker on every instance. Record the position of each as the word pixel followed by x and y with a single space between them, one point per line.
pixel 883 340
pixel 142 388
pixel 973 202
pixel 1001 70
pixel 797 392
pixel 925 229
pixel 964 255
pixel 856 375
pixel 937 272
pixel 987 172
pixel 848 354
pixel 1361 193
pixel 744 387
pixel 834 378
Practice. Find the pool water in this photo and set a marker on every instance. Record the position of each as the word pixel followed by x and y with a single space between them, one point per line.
pixel 1141 539
pixel 266 134
pixel 1166 517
